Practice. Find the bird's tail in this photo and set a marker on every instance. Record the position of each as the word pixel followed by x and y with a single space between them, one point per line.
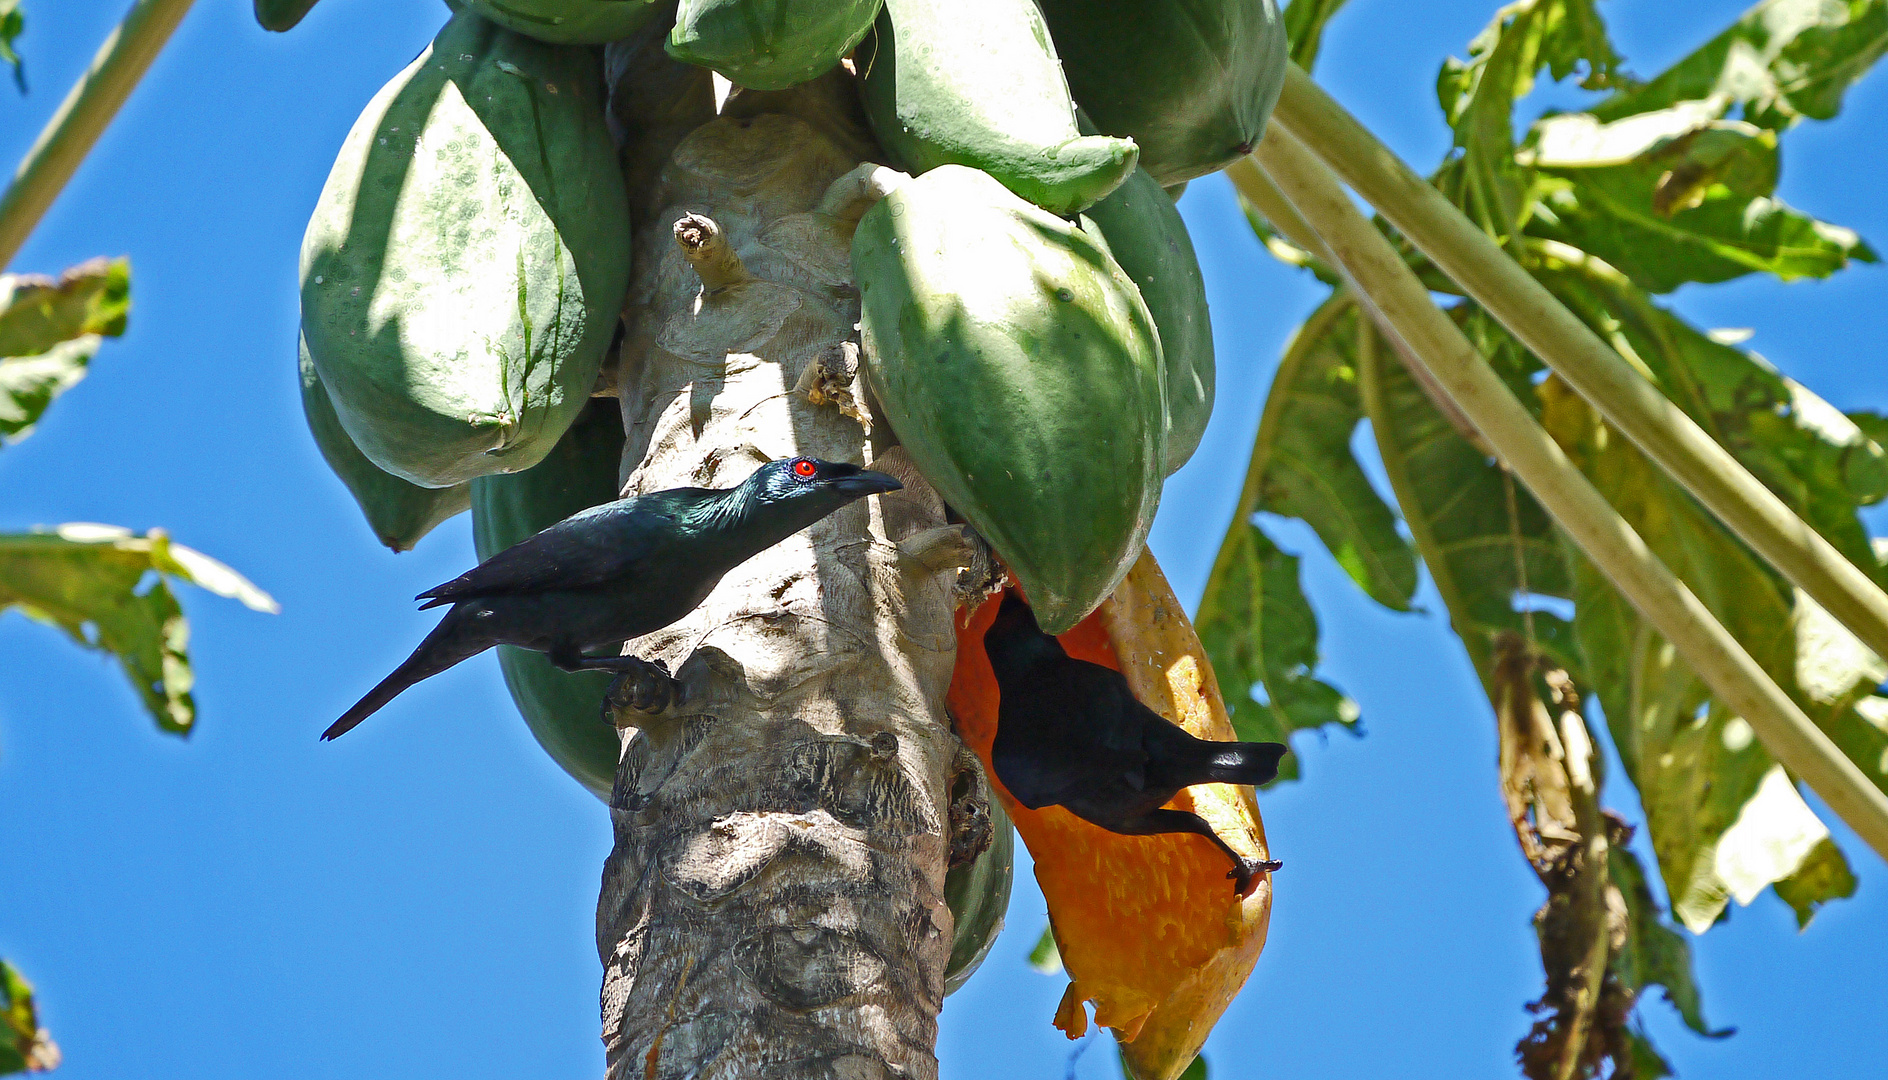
pixel 1251 763
pixel 442 649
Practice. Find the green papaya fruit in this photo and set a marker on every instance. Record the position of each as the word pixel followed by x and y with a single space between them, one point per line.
pixel 398 512
pixel 1145 235
pixel 468 258
pixel 769 44
pixel 281 15
pixel 976 82
pixel 978 894
pixel 1191 81
pixel 563 709
pixel 568 22
pixel 1021 370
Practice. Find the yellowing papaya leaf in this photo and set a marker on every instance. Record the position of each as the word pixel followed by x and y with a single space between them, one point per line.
pixel 1822 877
pixel 24 1045
pixel 49 331
pixel 37 313
pixel 109 589
pixel 1782 61
pixel 1725 820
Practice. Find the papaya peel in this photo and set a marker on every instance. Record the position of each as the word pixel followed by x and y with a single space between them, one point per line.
pixel 1021 369
pixel 1146 927
pixel 977 83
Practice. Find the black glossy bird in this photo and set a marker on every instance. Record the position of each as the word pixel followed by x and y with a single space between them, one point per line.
pixel 1071 734
pixel 618 571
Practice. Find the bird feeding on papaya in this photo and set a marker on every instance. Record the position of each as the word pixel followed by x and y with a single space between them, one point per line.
pixel 1071 734
pixel 618 571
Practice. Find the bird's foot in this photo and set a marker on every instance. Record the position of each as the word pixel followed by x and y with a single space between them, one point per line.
pixel 643 686
pixel 1245 876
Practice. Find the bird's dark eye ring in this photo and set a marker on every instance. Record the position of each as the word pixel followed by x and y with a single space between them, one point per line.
pixel 804 469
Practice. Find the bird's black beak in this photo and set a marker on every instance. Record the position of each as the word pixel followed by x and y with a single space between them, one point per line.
pixel 863 483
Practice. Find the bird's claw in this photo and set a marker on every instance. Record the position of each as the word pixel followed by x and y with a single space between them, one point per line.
pixel 644 686
pixel 1245 876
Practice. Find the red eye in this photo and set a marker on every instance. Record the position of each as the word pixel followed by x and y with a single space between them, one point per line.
pixel 804 469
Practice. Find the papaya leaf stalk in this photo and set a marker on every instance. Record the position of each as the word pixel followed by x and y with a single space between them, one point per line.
pixel 121 61
pixel 1624 396
pixel 1343 237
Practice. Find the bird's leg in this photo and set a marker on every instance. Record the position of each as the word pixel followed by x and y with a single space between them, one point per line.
pixel 1245 873
pixel 643 685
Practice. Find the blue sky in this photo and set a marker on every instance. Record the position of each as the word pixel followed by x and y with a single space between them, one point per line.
pixel 417 900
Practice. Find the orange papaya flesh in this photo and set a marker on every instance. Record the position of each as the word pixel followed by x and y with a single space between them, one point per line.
pixel 1149 928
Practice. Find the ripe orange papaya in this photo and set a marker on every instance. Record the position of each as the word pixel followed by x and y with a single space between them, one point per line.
pixel 1147 929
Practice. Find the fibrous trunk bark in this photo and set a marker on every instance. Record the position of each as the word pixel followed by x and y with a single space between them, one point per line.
pixel 773 905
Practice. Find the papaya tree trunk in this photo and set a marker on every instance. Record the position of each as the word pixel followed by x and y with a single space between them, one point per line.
pixel 773 906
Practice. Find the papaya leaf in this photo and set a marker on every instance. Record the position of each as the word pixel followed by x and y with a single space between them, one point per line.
pixel 29 384
pixel 1782 61
pixel 24 1045
pixel 1261 635
pixel 49 331
pixel 12 25
pixel 1487 543
pixel 1725 820
pixel 1867 472
pixel 1654 954
pixel 1647 1063
pixel 37 313
pixel 1302 465
pixel 1478 96
pixel 1812 456
pixel 1046 957
pixel 1304 28
pixel 1823 877
pixel 1677 196
pixel 110 590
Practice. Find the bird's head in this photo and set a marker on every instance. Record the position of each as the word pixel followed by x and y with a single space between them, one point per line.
pixel 1014 640
pixel 812 486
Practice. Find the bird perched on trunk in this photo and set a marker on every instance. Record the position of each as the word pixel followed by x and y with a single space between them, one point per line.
pixel 1071 734
pixel 618 571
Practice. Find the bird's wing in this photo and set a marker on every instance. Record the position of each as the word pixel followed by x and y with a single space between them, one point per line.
pixel 1037 779
pixel 582 551
pixel 1116 719
pixel 1084 731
